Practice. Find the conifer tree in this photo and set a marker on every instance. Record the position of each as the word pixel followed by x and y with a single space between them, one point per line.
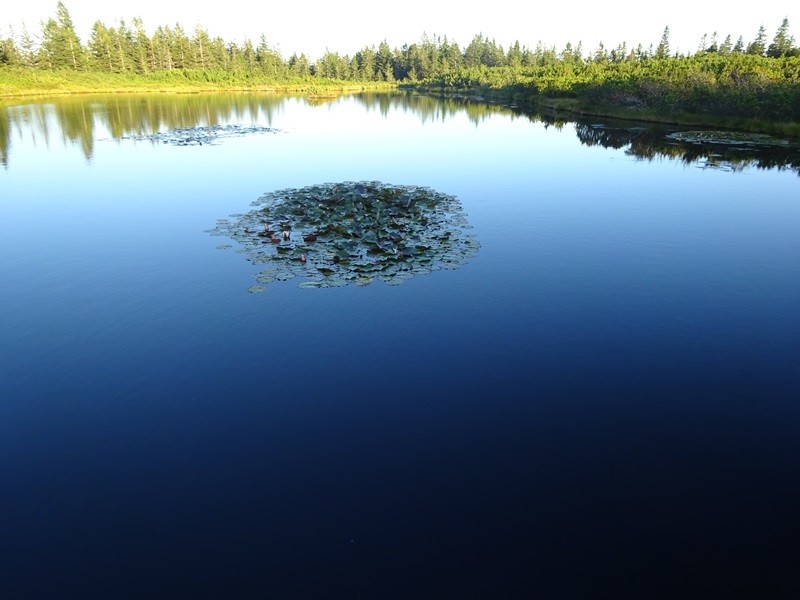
pixel 759 45
pixel 782 44
pixel 726 46
pixel 145 58
pixel 299 65
pixel 61 47
pixel 27 48
pixel 100 54
pixel 383 61
pixel 662 51
pixel 9 54
pixel 514 56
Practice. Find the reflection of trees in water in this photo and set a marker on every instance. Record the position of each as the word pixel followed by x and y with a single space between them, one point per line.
pixel 5 137
pixel 147 114
pixel 593 135
pixel 130 115
pixel 432 108
pixel 77 125
pixel 139 116
pixel 652 142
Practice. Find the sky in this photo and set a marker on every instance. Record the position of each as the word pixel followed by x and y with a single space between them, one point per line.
pixel 346 26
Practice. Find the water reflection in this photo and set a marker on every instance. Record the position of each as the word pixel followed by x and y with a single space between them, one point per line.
pixel 81 121
pixel 431 108
pixel 5 137
pixel 715 150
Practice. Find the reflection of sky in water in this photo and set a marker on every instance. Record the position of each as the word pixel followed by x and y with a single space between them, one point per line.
pixel 623 347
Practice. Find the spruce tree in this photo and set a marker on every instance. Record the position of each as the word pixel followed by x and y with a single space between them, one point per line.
pixel 726 46
pixel 662 51
pixel 9 54
pixel 27 48
pixel 61 48
pixel 782 44
pixel 759 45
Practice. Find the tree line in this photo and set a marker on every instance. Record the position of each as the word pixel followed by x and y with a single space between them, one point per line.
pixel 757 80
pixel 127 48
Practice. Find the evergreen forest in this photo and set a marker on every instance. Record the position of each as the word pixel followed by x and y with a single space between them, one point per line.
pixel 756 80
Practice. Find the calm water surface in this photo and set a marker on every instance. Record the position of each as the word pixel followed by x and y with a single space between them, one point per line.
pixel 604 400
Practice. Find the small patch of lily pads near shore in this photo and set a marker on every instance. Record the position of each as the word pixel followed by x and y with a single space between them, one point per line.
pixel 350 233
pixel 198 136
pixel 728 138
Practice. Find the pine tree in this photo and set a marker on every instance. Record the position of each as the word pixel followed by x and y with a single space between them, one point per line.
pixel 100 53
pixel 249 54
pixel 726 46
pixel 61 47
pixel 219 56
pixel 662 51
pixel 299 65
pixel 759 45
pixel 162 49
pixel 27 48
pixel 143 46
pixel 514 56
pixel 180 47
pixel 782 44
pixel 473 53
pixel 714 47
pixel 384 62
pixel 365 64
pixel 9 54
pixel 201 47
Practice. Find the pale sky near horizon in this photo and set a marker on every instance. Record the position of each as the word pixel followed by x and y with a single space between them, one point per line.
pixel 348 25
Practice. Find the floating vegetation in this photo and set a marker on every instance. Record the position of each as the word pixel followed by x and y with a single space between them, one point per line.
pixel 197 136
pixel 733 138
pixel 337 234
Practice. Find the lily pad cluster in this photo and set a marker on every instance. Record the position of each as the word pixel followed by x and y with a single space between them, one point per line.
pixel 336 234
pixel 197 136
pixel 732 138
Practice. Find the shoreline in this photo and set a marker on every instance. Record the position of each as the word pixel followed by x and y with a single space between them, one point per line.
pixel 60 87
pixel 572 106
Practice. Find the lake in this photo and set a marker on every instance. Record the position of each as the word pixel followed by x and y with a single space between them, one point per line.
pixel 587 384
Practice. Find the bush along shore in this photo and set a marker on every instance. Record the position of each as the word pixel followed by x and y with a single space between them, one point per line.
pixel 751 93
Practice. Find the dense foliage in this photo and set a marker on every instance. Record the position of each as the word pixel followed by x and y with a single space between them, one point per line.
pixel 736 85
pixel 760 79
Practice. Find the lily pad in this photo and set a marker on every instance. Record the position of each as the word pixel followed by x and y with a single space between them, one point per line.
pixel 348 233
pixel 732 138
pixel 197 136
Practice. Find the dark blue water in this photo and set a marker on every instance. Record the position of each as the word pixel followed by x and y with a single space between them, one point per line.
pixel 603 402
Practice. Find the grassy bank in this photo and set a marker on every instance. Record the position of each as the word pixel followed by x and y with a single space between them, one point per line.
pixel 32 82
